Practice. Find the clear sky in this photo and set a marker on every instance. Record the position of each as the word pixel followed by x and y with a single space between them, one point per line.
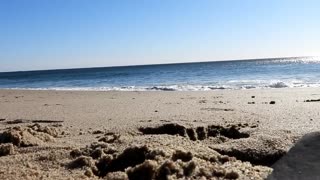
pixel 51 34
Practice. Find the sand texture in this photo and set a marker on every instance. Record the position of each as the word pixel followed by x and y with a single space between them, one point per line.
pixel 223 134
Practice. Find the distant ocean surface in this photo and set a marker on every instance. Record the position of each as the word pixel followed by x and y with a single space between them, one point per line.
pixel 203 76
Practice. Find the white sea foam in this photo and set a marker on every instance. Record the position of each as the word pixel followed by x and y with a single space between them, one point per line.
pixel 243 84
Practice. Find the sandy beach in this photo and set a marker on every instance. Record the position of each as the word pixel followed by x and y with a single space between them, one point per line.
pixel 227 134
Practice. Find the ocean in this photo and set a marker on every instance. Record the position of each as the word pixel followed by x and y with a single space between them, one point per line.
pixel 201 76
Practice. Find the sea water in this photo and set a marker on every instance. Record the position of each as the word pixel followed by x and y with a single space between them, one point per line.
pixel 200 76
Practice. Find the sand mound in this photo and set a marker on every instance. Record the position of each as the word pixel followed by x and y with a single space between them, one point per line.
pixel 95 150
pixel 110 138
pixel 142 162
pixel 82 161
pixel 6 149
pixel 28 136
pixel 52 131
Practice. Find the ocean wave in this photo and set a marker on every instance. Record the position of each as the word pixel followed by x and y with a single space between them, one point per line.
pixel 205 76
pixel 227 86
pixel 132 88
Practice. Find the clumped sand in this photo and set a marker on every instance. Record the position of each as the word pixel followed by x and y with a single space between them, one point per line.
pixel 33 135
pixel 236 134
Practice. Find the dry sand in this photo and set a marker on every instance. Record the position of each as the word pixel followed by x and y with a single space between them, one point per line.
pixel 232 134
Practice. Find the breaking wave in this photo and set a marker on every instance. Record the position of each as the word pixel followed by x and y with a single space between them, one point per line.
pixel 228 86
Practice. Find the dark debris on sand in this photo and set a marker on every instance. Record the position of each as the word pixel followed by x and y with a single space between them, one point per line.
pixel 272 102
pixel 20 121
pixel 312 100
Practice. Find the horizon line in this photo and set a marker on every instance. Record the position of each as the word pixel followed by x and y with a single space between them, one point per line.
pixel 173 63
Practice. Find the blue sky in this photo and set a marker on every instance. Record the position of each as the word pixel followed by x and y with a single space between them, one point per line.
pixel 51 34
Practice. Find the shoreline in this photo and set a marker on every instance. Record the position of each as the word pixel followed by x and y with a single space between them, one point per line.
pixel 245 121
pixel 100 89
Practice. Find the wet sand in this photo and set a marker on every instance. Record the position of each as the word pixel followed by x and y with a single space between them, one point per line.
pixel 235 134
